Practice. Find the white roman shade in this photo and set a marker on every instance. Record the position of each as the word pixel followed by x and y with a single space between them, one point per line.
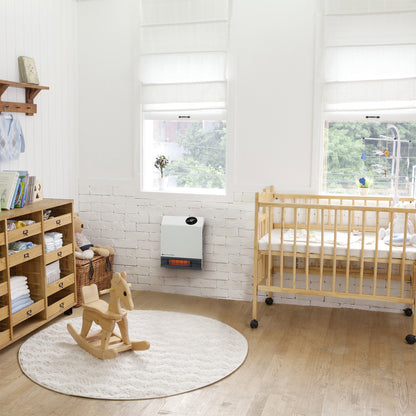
pixel 370 57
pixel 183 64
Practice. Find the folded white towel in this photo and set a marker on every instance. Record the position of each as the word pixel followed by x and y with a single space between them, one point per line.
pixel 20 300
pixel 17 282
pixel 19 286
pixel 18 278
pixel 20 304
pixel 20 292
pixel 53 236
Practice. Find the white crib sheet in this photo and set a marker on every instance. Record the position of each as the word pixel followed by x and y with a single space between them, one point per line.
pixel 341 244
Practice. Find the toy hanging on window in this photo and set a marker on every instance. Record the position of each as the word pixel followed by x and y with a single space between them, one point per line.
pixel 382 152
pixel 378 168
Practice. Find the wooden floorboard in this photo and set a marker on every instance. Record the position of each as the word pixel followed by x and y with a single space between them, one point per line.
pixel 302 361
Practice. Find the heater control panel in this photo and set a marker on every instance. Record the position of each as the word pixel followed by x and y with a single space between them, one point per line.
pixel 191 220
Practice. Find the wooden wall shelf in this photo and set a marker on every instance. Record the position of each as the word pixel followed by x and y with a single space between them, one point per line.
pixel 31 91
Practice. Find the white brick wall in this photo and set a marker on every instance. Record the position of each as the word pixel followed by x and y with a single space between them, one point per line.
pixel 130 221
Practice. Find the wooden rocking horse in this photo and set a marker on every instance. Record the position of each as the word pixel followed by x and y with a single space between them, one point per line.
pixel 106 344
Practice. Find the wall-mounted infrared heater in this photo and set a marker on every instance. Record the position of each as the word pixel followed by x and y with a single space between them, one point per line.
pixel 181 242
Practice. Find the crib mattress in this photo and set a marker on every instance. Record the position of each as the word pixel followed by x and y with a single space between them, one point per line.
pixel 341 244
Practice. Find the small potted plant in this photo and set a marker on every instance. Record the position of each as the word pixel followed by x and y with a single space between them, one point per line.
pixel 363 184
pixel 160 163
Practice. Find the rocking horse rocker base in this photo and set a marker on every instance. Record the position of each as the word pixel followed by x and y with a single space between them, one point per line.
pixel 106 344
pixel 92 344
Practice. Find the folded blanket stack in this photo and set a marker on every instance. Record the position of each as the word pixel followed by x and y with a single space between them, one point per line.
pixel 20 246
pixel 53 272
pixel 20 293
pixel 53 241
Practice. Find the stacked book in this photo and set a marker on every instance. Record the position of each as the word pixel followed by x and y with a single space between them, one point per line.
pixel 16 189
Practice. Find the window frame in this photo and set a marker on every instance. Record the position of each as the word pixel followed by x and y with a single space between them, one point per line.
pixel 357 117
pixel 383 113
pixel 147 169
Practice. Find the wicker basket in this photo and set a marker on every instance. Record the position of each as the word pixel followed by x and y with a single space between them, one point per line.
pixel 98 270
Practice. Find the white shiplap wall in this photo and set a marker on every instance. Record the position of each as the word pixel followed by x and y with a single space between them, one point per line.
pixel 47 31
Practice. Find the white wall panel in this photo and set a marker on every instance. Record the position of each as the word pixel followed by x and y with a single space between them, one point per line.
pixel 273 82
pixel 47 31
pixel 107 89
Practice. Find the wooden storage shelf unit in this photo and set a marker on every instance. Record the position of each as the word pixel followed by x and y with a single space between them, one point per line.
pixel 50 299
pixel 28 107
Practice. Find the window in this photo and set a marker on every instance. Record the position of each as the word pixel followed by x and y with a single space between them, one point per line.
pixel 196 152
pixel 369 85
pixel 183 71
pixel 356 150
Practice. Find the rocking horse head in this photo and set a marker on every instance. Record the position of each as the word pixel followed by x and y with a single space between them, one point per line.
pixel 120 290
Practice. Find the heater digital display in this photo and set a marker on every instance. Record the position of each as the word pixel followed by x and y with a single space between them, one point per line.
pixel 179 263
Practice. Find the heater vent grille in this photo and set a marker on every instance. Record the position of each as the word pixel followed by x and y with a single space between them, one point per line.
pixel 175 263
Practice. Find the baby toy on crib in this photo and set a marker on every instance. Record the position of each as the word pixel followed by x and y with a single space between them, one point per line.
pixel 398 231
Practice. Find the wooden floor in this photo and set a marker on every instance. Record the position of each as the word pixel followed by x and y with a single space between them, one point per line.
pixel 301 361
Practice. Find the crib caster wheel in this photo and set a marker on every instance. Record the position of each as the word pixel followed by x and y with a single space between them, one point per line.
pixel 408 311
pixel 254 323
pixel 411 339
pixel 269 301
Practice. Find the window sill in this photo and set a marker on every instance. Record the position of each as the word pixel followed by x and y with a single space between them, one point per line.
pixel 187 191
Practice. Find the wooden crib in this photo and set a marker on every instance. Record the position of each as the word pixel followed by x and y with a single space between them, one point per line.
pixel 329 245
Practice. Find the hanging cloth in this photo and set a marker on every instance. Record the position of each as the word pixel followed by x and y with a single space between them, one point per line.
pixel 12 141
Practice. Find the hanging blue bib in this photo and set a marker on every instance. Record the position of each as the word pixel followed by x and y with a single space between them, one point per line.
pixel 12 141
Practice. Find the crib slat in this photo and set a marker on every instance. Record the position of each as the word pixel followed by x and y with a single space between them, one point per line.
pixel 389 264
pixel 271 221
pixel 334 259
pixel 347 268
pixel 269 258
pixel 329 213
pixel 413 274
pixel 402 265
pixel 321 269
pixel 353 217
pixel 282 224
pixel 256 255
pixel 308 213
pixel 295 220
pixel 376 253
pixel 364 214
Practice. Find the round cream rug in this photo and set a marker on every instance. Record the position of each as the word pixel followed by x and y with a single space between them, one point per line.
pixel 186 352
